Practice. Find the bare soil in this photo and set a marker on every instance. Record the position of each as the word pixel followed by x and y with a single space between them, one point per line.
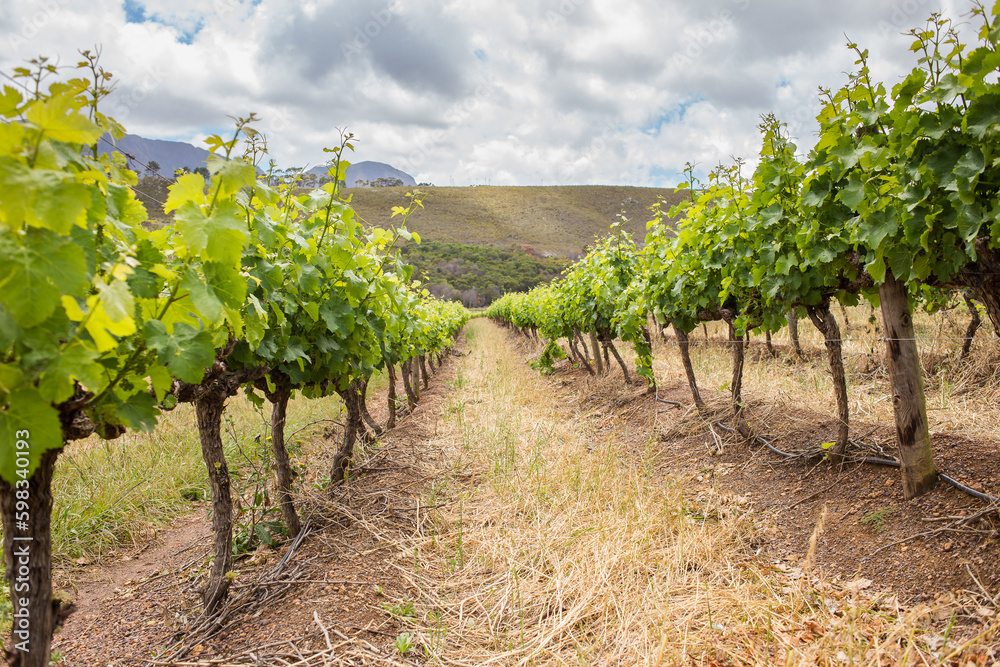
pixel 942 544
pixel 339 589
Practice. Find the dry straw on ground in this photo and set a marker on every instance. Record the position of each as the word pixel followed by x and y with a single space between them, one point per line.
pixel 548 548
pixel 961 397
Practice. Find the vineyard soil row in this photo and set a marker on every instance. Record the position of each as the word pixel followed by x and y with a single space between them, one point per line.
pixel 565 518
pixel 134 601
pixel 586 473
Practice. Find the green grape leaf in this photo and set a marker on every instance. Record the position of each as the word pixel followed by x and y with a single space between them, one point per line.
pixel 876 268
pixel 230 176
pixel 784 264
pixel 161 380
pixel 27 274
pixel 59 118
pixel 312 309
pixel 943 163
pixel 971 164
pixel 117 300
pixel 139 411
pixel 294 351
pixel 225 280
pixel 338 316
pixel 186 352
pixel 10 377
pixel 983 113
pixel 203 297
pixel 27 412
pixel 61 260
pixel 98 324
pixel 854 192
pixel 219 237
pixel 10 100
pixel 29 298
pixel 189 189
pixel 309 281
pixel 74 363
pixel 59 205
pixel 8 329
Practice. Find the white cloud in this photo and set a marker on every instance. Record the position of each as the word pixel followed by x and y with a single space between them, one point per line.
pixel 464 91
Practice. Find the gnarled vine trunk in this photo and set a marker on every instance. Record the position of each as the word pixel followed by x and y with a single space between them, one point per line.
pixel 793 332
pixel 423 371
pixel 684 345
pixel 391 400
pixel 974 325
pixel 282 462
pixel 823 319
pixel 610 345
pixel 27 550
pixel 363 404
pixel 649 344
pixel 581 357
pixel 412 388
pixel 736 387
pixel 353 423
pixel 983 278
pixel 208 409
pixel 582 344
pixel 596 347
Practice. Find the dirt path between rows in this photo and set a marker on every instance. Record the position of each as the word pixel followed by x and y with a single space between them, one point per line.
pixel 939 547
pixel 339 588
pixel 347 595
pixel 138 576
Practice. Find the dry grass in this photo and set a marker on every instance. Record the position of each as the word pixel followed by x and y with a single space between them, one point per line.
pixel 553 219
pixel 544 548
pixel 961 395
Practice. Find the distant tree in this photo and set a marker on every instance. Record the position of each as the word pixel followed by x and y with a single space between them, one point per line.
pixel 153 167
pixel 203 171
pixel 385 183
pixel 425 185
pixel 470 298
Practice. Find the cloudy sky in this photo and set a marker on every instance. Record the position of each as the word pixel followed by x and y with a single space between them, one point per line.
pixel 460 92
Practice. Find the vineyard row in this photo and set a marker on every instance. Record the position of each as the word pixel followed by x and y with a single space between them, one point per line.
pixel 898 203
pixel 104 324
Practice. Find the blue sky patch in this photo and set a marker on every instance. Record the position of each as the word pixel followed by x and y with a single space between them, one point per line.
pixel 665 178
pixel 674 114
pixel 134 12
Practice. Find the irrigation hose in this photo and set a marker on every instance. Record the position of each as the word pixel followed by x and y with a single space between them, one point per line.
pixel 677 403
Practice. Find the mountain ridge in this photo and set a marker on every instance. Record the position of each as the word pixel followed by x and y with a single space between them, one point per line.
pixel 172 156
pixel 553 221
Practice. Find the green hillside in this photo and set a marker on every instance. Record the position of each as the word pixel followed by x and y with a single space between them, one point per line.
pixel 476 275
pixel 552 220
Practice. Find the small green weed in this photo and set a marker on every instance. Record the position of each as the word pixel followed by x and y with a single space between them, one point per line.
pixel 404 643
pixel 401 609
pixel 876 520
pixel 258 520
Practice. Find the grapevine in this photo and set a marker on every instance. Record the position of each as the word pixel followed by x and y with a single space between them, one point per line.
pixel 104 324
